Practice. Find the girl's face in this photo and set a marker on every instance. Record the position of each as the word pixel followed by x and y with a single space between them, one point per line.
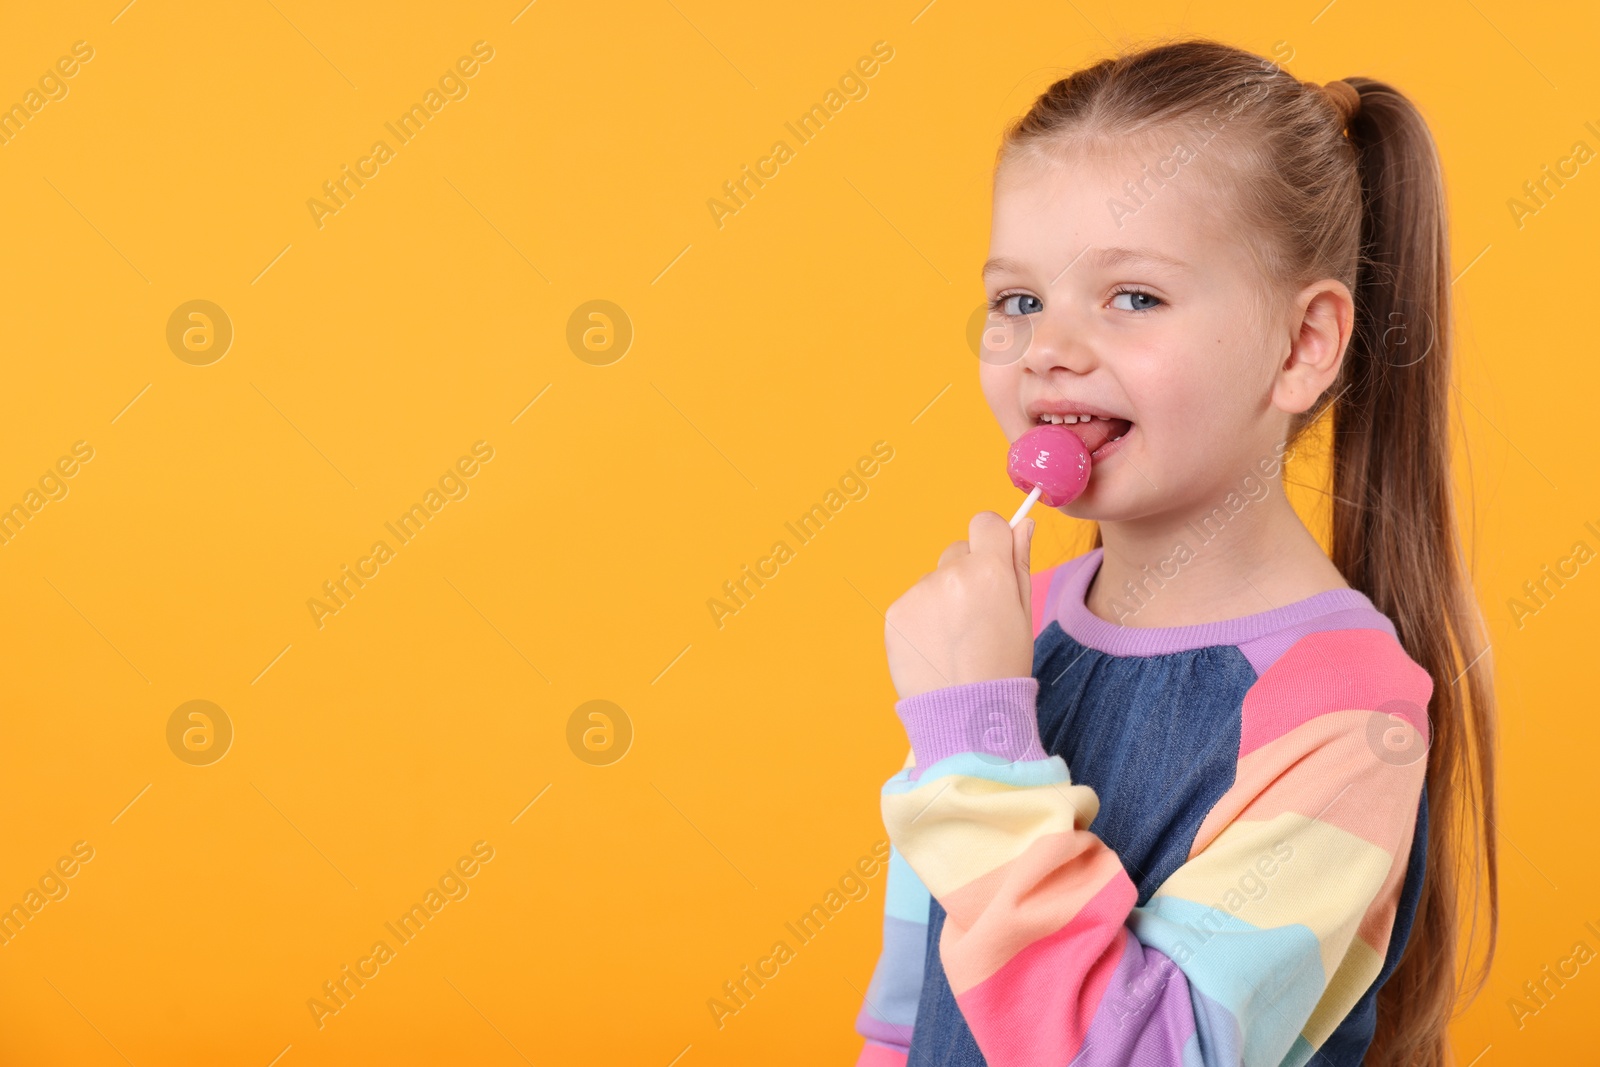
pixel 1140 305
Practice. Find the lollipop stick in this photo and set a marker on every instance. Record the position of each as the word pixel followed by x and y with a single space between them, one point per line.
pixel 1026 504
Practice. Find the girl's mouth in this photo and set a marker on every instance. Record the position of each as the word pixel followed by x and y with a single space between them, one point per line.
pixel 1100 435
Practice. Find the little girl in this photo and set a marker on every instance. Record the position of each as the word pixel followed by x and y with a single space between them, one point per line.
pixel 1208 812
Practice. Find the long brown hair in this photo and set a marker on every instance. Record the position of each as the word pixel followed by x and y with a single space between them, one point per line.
pixel 1364 204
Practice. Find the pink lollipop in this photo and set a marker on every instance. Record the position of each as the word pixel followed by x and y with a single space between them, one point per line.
pixel 1051 462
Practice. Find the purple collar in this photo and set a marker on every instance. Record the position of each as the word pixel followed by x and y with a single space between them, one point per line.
pixel 1091 631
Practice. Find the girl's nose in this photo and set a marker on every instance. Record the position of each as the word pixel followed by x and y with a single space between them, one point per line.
pixel 1061 340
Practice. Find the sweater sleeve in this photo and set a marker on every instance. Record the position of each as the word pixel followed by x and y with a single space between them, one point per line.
pixel 889 1010
pixel 1249 953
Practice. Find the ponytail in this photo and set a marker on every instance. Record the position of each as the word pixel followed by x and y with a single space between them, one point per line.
pixel 1395 538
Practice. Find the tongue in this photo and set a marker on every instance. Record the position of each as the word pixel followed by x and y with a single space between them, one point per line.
pixel 1098 431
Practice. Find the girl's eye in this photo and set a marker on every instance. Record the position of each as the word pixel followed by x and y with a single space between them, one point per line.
pixel 1136 295
pixel 1015 304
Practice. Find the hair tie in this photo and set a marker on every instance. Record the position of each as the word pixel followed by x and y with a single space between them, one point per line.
pixel 1345 97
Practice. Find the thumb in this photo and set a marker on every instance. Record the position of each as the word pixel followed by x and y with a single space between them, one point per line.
pixel 1022 552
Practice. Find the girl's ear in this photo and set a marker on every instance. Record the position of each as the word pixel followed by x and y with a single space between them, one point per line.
pixel 1322 317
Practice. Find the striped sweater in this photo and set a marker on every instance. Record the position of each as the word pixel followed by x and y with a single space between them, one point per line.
pixel 1188 846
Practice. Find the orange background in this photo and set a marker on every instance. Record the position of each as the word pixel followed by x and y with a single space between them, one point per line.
pixel 767 356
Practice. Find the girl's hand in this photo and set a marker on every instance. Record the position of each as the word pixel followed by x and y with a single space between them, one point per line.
pixel 971 619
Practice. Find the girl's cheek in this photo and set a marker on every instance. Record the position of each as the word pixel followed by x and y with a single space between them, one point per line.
pixel 1000 386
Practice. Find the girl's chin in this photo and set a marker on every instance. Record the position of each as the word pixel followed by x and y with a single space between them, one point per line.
pixel 1100 501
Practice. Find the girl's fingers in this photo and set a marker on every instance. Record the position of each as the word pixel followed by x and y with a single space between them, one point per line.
pixel 956 550
pixel 1022 555
pixel 990 535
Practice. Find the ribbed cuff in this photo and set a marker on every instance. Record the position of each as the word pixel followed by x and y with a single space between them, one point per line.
pixel 997 718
